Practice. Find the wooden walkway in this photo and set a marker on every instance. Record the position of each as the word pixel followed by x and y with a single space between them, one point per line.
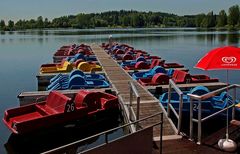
pixel 209 145
pixel 119 80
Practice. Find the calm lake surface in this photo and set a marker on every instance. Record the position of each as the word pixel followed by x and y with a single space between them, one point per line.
pixel 23 52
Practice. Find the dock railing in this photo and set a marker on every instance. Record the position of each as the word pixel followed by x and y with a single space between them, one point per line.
pixel 178 115
pixel 73 147
pixel 133 90
pixel 199 120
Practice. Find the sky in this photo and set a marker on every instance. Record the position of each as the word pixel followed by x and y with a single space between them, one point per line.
pixel 28 9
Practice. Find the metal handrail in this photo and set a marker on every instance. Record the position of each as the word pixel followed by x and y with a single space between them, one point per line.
pixel 111 130
pixel 203 97
pixel 133 89
pixel 178 115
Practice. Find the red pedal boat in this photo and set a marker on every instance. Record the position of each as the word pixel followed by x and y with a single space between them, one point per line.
pixel 58 109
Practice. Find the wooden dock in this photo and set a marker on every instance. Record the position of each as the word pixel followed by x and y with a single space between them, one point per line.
pixel 120 82
pixel 209 145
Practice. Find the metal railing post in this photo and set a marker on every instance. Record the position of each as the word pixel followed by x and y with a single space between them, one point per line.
pixel 138 107
pixel 199 122
pixel 180 113
pixel 130 102
pixel 106 138
pixel 169 98
pixel 161 133
pixel 234 100
pixel 191 119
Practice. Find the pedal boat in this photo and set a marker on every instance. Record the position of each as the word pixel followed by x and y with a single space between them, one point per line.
pixel 58 109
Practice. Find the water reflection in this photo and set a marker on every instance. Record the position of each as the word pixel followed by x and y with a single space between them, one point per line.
pixel 41 141
pixel 2 32
pixel 222 38
pixel 233 39
pixel 206 37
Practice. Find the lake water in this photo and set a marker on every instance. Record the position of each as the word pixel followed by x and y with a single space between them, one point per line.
pixel 23 52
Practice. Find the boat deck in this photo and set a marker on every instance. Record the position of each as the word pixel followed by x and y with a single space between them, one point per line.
pixel 119 80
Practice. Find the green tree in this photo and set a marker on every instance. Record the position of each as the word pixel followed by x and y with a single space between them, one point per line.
pixel 126 20
pixel 137 20
pixel 209 20
pixel 2 25
pixel 40 23
pixel 82 21
pixel 222 19
pixel 20 24
pixel 165 21
pixel 46 23
pixel 199 19
pixel 10 25
pixel 233 16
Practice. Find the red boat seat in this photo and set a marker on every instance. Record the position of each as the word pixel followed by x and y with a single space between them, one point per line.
pixel 87 98
pixel 119 52
pixel 160 78
pixel 141 65
pixel 57 101
pixel 127 57
pixel 108 101
pixel 181 76
pixel 156 62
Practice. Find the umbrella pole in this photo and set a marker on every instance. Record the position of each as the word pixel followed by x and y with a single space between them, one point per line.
pixel 227 144
pixel 227 133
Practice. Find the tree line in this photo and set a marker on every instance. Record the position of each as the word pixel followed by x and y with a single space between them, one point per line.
pixel 135 19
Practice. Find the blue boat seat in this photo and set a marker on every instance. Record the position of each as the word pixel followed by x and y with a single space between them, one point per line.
pixel 221 100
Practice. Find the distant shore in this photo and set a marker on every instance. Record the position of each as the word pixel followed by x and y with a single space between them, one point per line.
pixel 132 19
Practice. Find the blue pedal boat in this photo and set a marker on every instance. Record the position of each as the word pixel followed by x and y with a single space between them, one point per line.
pixel 64 81
pixel 150 73
pixel 133 62
pixel 81 56
pixel 209 106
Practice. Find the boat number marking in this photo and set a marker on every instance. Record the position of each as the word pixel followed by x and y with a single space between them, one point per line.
pixel 70 107
pixel 195 107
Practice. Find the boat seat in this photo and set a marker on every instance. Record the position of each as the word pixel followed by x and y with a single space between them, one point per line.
pixel 57 101
pixel 76 80
pixel 74 72
pixel 108 101
pixel 84 66
pixel 119 51
pixel 46 109
pixel 127 57
pixel 180 76
pixel 156 62
pixel 141 65
pixel 89 99
pixel 160 78
pixel 96 68
pixel 141 58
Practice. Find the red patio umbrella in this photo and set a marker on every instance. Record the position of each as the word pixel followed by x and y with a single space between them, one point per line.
pixel 223 58
pixel 227 58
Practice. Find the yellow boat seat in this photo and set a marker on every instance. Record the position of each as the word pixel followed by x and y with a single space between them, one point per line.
pixel 87 67
pixel 66 67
